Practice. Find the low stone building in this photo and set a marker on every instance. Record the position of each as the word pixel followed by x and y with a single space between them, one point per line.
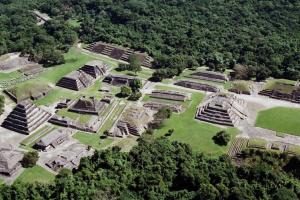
pixel 118 80
pixel 282 91
pixel 65 103
pixel 197 86
pixel 134 121
pixel 223 109
pixel 119 53
pixel 26 118
pixel 168 94
pixel 69 159
pixel 10 161
pixel 177 108
pixel 52 140
pixel 42 18
pixel 210 76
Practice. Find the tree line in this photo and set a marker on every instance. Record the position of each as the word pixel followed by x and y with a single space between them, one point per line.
pixel 161 169
pixel 20 33
pixel 262 36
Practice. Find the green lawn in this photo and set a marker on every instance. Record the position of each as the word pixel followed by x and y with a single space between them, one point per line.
pixel 280 119
pixel 36 174
pixel 145 73
pixel 197 134
pixel 94 139
pixel 8 76
pixel 83 118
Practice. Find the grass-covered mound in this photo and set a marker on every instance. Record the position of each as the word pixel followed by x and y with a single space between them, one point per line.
pixel 280 119
pixel 197 134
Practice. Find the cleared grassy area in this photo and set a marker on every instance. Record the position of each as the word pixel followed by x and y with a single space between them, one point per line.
pixel 83 118
pixel 36 135
pixel 280 119
pixel 94 139
pixel 36 174
pixel 293 149
pixel 242 86
pixel 55 95
pixel 197 134
pixel 145 73
pixel 257 143
pixel 11 75
pixel 282 85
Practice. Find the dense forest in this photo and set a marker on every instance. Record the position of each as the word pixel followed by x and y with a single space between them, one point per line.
pixel 262 35
pixel 160 169
pixel 20 32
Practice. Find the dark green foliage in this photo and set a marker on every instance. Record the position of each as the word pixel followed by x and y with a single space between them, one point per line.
pixel 135 85
pixel 20 32
pixel 181 34
pixel 125 91
pixel 221 138
pixel 30 159
pixel 134 63
pixel 160 169
pixel 135 96
pixel 2 104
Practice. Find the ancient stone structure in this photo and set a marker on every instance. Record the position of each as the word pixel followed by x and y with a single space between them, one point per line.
pixel 134 121
pixel 31 70
pixel 167 94
pixel 76 80
pixel 52 140
pixel 119 53
pixel 14 61
pixel 177 108
pixel 42 18
pixel 69 159
pixel 26 118
pixel 197 86
pixel 223 109
pixel 210 76
pixel 118 80
pixel 95 68
pixel 88 106
pixel 283 91
pixel 64 103
pixel 92 126
pixel 10 161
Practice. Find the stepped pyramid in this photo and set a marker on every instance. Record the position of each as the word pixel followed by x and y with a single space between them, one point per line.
pixel 223 109
pixel 25 118
pixel 76 80
pixel 95 68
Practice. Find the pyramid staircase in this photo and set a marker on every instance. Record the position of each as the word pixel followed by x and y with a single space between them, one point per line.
pixel 26 118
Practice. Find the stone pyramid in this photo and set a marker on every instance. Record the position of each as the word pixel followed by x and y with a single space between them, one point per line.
pixel 26 118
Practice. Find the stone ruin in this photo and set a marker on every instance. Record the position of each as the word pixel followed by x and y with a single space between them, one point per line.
pixel 26 118
pixel 15 61
pixel 222 109
pixel 52 140
pixel 134 121
pixel 31 70
pixel 65 103
pixel 210 76
pixel 119 53
pixel 93 126
pixel 88 106
pixel 29 93
pixel 95 68
pixel 83 77
pixel 10 161
pixel 197 86
pixel 177 108
pixel 42 18
pixel 283 91
pixel 68 159
pixel 76 80
pixel 118 80
pixel 170 95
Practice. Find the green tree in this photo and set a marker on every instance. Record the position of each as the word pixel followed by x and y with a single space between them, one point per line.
pixel 125 91
pixel 30 159
pixel 221 138
pixel 135 63
pixel 135 85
